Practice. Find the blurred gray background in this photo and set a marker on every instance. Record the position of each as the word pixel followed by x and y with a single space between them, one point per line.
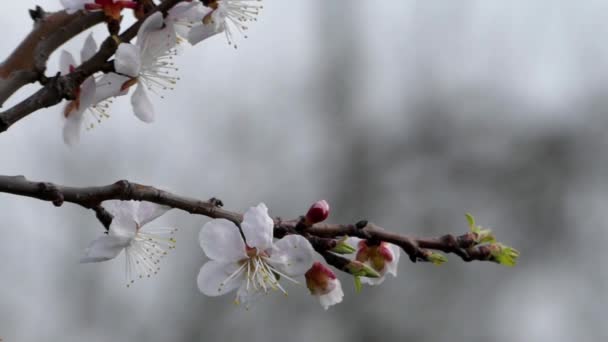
pixel 407 113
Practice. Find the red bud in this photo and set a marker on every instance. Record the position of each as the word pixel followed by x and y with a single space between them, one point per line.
pixel 318 212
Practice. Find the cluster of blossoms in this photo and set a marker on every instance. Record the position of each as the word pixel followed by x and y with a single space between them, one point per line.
pixel 246 258
pixel 148 64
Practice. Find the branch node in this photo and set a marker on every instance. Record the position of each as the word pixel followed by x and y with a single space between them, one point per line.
pixel 216 202
pixel 37 14
pixel 51 193
pixel 361 224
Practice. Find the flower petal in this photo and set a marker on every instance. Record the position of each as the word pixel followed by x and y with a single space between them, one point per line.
pixel 373 281
pixel 142 107
pixel 72 6
pixel 333 297
pixel 110 85
pixel 189 13
pixel 87 93
pixel 72 128
pixel 201 32
pixel 221 240
pixel 103 248
pixel 148 211
pixel 127 60
pixel 392 266
pixel 292 255
pixel 258 227
pixel 212 275
pixel 65 61
pixel 152 23
pixel 89 49
pixel 124 222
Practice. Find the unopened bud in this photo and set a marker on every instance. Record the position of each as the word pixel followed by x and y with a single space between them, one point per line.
pixel 360 269
pixel 343 248
pixel 318 212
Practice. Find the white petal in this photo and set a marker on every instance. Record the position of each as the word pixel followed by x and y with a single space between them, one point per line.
pixel 189 12
pixel 201 32
pixel 127 60
pixel 89 49
pixel 110 85
pixel 391 267
pixel 221 240
pixel 258 227
pixel 152 23
pixel 373 281
pixel 72 128
pixel 73 5
pixel 65 61
pixel 148 211
pixel 156 45
pixel 292 255
pixel 213 274
pixel 333 297
pixel 183 15
pixel 124 222
pixel 87 93
pixel 142 107
pixel 103 248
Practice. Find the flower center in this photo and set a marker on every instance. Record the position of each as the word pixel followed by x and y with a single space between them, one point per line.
pixel 259 275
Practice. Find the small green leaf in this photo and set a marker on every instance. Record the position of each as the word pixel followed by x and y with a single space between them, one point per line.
pixel 360 269
pixel 358 285
pixel 471 221
pixel 437 258
pixel 343 248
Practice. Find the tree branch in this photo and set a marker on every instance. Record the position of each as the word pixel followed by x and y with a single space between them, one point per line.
pixel 27 63
pixel 321 235
pixel 62 87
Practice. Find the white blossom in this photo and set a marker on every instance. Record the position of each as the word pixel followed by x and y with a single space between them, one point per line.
pixel 143 246
pixel 184 16
pixel 383 258
pixel 148 63
pixel 323 283
pixel 91 98
pixel 228 16
pixel 252 266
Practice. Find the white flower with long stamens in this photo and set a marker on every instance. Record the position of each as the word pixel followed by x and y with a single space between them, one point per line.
pixel 383 258
pixel 148 63
pixel 255 266
pixel 144 247
pixel 323 283
pixel 91 98
pixel 228 16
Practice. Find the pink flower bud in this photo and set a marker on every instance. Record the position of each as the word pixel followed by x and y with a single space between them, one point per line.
pixel 319 279
pixel 322 283
pixel 318 212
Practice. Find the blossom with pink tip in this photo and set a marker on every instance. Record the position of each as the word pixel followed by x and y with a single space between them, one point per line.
pixel 383 258
pixel 323 283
